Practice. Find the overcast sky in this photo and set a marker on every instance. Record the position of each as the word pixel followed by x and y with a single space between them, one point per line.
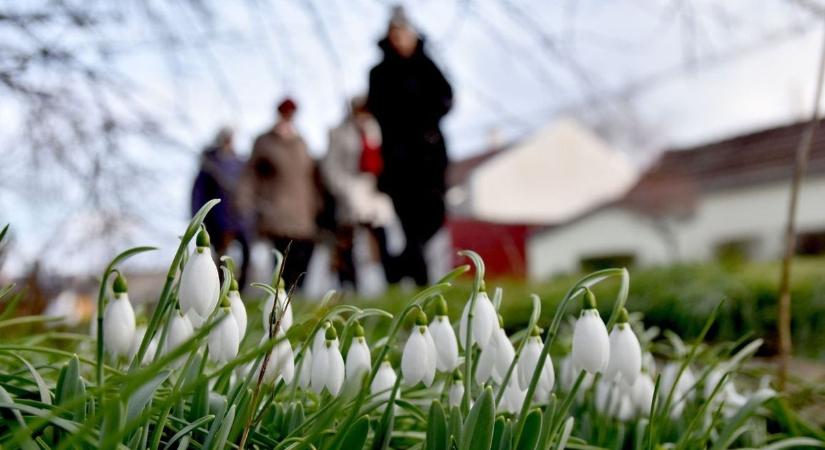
pixel 646 75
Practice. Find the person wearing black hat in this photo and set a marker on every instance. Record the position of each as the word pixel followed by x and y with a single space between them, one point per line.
pixel 409 95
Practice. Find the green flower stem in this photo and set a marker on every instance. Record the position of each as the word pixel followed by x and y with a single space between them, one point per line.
pixel 468 341
pixel 534 318
pixel 561 414
pixel 165 295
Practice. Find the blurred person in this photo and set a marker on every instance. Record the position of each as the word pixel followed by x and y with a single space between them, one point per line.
pixel 218 177
pixel 280 193
pixel 350 170
pixel 408 95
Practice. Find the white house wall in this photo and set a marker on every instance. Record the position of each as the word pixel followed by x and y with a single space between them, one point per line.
pixel 755 214
pixel 610 231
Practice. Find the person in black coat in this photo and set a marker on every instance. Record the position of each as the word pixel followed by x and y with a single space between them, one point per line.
pixel 409 95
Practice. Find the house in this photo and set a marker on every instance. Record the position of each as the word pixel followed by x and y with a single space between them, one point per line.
pixel 497 197
pixel 715 200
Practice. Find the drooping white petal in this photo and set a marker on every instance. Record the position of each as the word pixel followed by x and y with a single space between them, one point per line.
pixel 320 369
pixel 529 362
pixel 281 362
pixel 223 339
pixel 286 320
pixel 359 360
pixel 119 325
pixel 180 330
pixel 513 397
pixel 335 378
pixel 151 349
pixel 199 283
pixel 625 355
pixel 320 338
pixel 306 369
pixel 431 359
pixel 195 319
pixel 504 354
pixel 485 320
pixel 383 382
pixel 642 394
pixel 591 345
pixel 446 344
pixel 456 394
pixel 238 311
pixel 486 364
pixel 414 358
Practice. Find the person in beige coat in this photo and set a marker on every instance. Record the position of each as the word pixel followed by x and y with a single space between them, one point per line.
pixel 280 194
pixel 350 170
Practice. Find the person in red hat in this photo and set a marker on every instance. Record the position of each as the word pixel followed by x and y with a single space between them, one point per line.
pixel 279 191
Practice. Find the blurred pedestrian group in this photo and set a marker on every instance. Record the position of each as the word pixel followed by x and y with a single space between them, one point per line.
pixel 381 182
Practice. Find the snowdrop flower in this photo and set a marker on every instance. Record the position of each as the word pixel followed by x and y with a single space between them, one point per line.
pixel 199 284
pixel 119 320
pixel 495 360
pixel 238 308
pixel 327 365
pixel 359 360
pixel 484 321
pixel 224 339
pixel 195 319
pixel 283 308
pixel 625 352
pixel 151 349
pixel 528 363
pixel 180 330
pixel 568 376
pixel 418 362
pixel 682 389
pixel 456 393
pixel 591 346
pixel 446 345
pixel 513 397
pixel 383 382
pixel 281 361
pixel 641 393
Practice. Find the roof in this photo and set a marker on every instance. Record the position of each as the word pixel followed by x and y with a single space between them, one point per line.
pixel 557 172
pixel 676 179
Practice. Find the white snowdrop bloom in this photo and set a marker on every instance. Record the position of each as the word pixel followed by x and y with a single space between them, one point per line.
pixel 642 393
pixel 224 338
pixel 151 349
pixel 446 345
pixel 608 397
pixel 180 330
pixel 484 321
pixel 320 337
pixel 685 385
pixel 359 360
pixel 281 361
pixel 625 359
pixel 327 365
pixel 513 397
pixel 591 345
pixel 625 410
pixel 383 382
pixel 286 320
pixel 199 283
pixel 496 358
pixel 418 361
pixel 528 363
pixel 456 393
pixel 119 320
pixel 238 308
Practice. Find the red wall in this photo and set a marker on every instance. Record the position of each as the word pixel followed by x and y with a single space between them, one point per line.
pixel 502 246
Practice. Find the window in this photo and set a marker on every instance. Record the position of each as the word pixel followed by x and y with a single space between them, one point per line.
pixel 811 243
pixel 594 263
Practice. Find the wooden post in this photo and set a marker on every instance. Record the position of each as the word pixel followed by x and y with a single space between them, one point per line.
pixel 802 153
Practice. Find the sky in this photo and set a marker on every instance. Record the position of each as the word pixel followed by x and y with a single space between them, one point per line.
pixel 645 75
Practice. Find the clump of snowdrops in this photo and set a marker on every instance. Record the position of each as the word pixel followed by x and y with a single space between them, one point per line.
pixel 200 374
